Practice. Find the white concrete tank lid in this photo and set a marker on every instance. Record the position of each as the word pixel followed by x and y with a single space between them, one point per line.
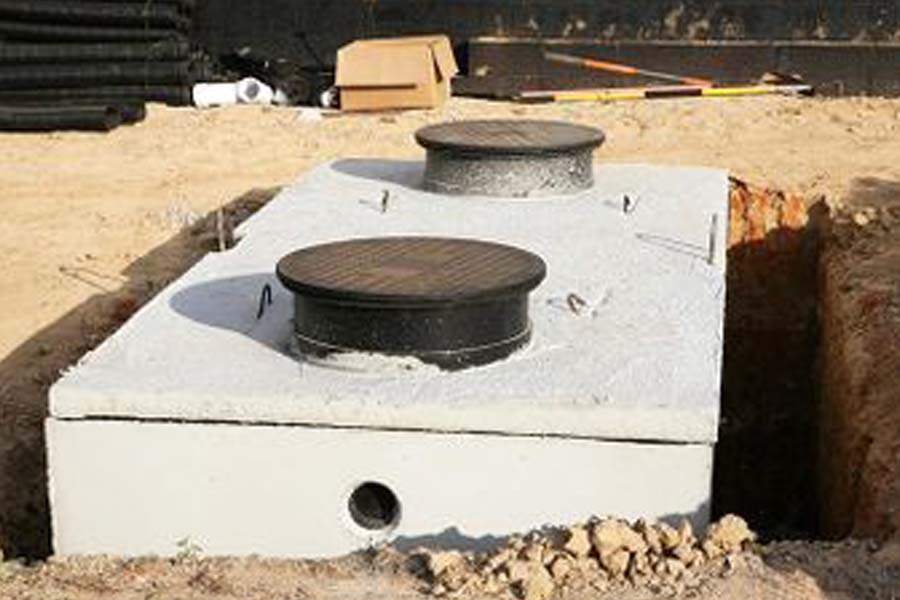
pixel 627 341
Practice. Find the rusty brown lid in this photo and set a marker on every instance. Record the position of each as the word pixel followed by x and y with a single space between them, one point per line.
pixel 411 270
pixel 509 136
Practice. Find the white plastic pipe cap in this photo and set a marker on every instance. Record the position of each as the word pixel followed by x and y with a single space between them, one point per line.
pixel 254 91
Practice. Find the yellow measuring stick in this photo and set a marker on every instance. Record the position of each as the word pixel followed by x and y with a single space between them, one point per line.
pixel 611 94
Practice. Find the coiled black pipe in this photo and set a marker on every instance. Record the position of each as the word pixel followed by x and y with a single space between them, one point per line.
pixel 166 50
pixel 185 5
pixel 125 15
pixel 27 32
pixel 55 118
pixel 30 77
pixel 131 111
pixel 173 95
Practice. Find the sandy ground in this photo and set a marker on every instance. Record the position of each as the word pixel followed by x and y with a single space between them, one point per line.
pixel 795 571
pixel 94 224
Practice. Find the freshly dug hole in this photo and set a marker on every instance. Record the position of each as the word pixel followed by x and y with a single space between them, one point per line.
pixel 765 459
pixel 810 433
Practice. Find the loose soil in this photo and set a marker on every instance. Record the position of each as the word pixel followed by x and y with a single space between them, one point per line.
pixel 95 224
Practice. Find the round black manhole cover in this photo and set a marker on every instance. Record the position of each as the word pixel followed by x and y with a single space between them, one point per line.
pixel 450 302
pixel 508 157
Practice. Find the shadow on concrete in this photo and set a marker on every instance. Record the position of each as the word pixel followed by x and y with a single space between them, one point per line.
pixel 449 539
pixel 239 304
pixel 453 539
pixel 30 369
pixel 405 173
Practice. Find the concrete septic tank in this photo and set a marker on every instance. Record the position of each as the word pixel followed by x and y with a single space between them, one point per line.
pixel 198 420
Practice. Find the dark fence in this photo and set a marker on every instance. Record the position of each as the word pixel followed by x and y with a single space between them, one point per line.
pixel 309 31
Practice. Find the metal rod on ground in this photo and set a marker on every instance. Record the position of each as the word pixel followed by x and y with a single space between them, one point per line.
pixel 621 69
pixel 659 92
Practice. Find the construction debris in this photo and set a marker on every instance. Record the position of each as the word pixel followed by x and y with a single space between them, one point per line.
pixel 599 554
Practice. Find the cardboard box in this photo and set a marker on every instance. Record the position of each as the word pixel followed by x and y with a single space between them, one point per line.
pixel 409 72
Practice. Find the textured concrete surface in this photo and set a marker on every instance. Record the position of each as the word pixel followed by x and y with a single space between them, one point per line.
pixel 639 361
pixel 504 176
pixel 132 488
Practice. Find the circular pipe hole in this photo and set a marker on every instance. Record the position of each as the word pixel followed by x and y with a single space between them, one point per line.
pixel 374 506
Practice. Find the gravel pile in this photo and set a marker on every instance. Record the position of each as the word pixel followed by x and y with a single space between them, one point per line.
pixel 600 554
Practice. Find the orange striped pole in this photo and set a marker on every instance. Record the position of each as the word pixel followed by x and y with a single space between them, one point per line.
pixel 610 94
pixel 621 69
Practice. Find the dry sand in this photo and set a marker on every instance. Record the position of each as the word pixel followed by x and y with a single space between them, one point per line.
pixel 94 224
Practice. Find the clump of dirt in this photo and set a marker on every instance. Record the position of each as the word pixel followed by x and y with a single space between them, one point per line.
pixel 601 554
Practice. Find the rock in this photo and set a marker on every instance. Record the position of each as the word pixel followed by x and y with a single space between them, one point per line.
pixel 550 556
pixel 538 585
pixel 588 566
pixel 578 543
pixel 729 534
pixel 640 563
pixel 560 567
pixel 686 533
pixel 651 536
pixel 610 535
pixel 675 567
pixel 860 219
pixel 498 560
pixel 440 562
pixel 533 552
pixel 438 590
pixel 734 562
pixel 616 562
pixel 711 550
pixel 614 542
pixel 684 553
pixel 493 585
pixel 668 536
pixel 518 570
pixel 697 560
pixel 450 570
pixel 660 569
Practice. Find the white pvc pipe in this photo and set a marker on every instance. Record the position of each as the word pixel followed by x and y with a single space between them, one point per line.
pixel 245 91
pixel 206 95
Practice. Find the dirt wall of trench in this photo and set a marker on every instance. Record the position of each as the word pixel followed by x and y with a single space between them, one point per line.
pixel 859 416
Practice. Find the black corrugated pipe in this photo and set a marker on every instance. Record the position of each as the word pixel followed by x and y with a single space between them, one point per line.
pixel 132 111
pixel 185 5
pixel 124 15
pixel 30 77
pixel 174 95
pixel 26 32
pixel 55 118
pixel 57 53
